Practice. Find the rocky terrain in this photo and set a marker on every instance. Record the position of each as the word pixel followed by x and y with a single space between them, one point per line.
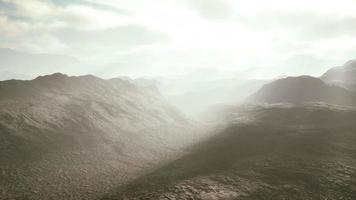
pixel 343 76
pixel 303 89
pixel 83 137
pixel 297 142
pixel 263 152
pixel 65 137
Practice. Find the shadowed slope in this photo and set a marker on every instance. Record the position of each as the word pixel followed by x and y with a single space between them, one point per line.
pixel 263 153
pixel 67 137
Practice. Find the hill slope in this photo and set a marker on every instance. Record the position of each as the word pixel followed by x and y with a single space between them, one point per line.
pixel 303 89
pixel 67 137
pixel 344 76
pixel 278 152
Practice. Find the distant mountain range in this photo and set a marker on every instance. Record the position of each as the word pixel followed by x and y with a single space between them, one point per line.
pixel 83 137
pixel 303 89
pixel 336 86
pixel 299 144
pixel 66 137
pixel 201 96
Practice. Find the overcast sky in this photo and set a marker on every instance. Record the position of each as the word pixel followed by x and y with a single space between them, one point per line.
pixel 217 38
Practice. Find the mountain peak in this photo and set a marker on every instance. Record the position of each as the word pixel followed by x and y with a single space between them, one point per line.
pixel 343 76
pixel 299 80
pixel 303 89
pixel 350 64
pixel 59 76
pixel 55 76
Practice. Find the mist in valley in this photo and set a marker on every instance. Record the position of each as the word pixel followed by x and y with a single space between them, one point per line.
pixel 206 100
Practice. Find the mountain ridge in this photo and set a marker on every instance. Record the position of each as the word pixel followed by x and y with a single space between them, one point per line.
pixel 82 134
pixel 303 89
pixel 343 76
pixel 281 152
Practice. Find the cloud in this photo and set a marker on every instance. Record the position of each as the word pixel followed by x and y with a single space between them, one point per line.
pixel 173 36
pixel 86 17
pixel 30 8
pixel 81 15
pixel 103 46
pixel 93 4
pixel 129 35
pixel 302 24
pixel 63 26
pixel 26 36
pixel 211 9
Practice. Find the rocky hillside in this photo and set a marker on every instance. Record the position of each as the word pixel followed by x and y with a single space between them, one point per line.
pixel 344 76
pixel 301 90
pixel 67 137
pixel 270 152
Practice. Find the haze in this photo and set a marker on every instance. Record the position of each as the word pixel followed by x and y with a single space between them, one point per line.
pixel 177 99
pixel 211 39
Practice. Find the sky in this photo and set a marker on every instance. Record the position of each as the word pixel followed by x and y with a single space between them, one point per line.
pixel 202 38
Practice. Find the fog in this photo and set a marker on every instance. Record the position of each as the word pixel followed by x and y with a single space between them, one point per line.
pixel 177 99
pixel 198 53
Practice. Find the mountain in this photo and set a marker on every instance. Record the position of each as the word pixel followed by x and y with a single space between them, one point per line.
pixel 344 76
pixel 6 75
pixel 76 137
pixel 303 89
pixel 262 152
pixel 198 96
